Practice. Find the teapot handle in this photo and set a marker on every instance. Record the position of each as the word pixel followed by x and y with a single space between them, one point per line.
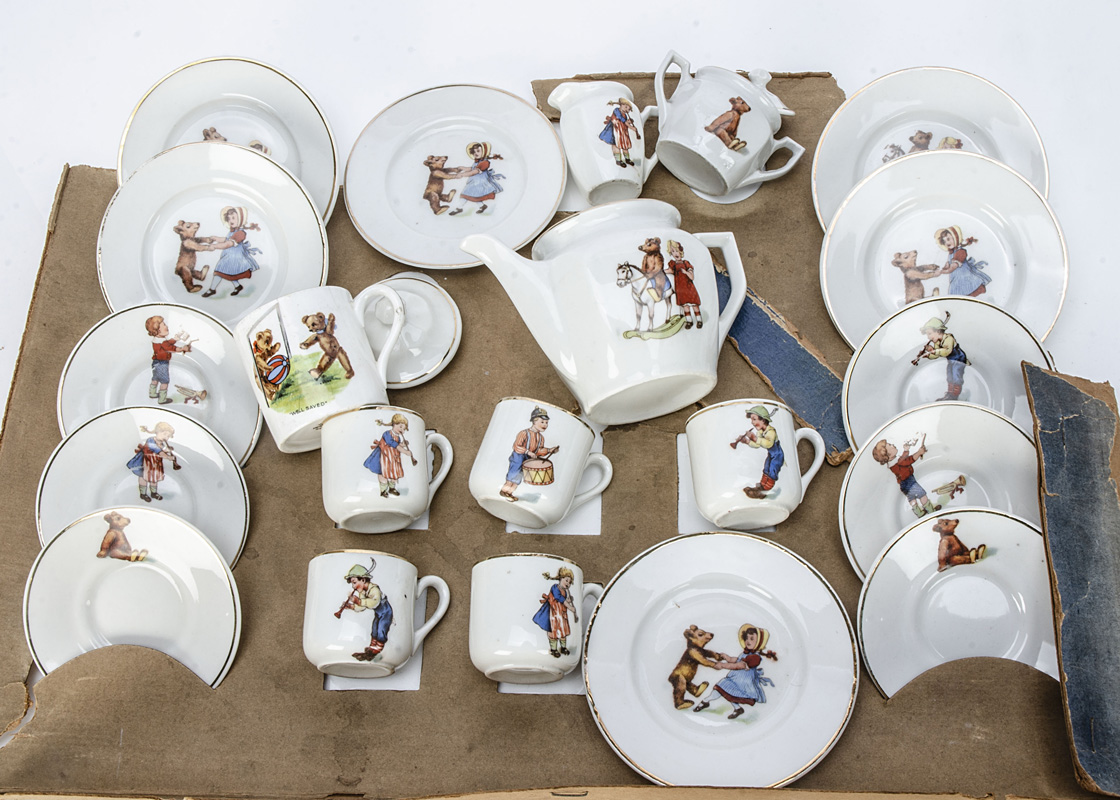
pixel 651 162
pixel 725 243
pixel 785 143
pixel 672 57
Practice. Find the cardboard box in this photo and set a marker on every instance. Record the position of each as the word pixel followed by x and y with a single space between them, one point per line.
pixel 130 721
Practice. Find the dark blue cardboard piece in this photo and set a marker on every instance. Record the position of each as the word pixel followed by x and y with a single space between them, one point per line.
pixel 1076 436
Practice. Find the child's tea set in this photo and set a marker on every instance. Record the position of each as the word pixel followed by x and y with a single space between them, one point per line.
pixel 626 306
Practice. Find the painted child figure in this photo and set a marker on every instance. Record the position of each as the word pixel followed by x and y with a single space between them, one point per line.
pixel 528 443
pixel 745 679
pixel 164 345
pixel 236 262
pixel 762 435
pixel 684 286
pixel 903 468
pixel 365 595
pixel 552 616
pixel 385 460
pixel 943 344
pixel 147 463
pixel 482 181
pixel 966 274
pixel 619 126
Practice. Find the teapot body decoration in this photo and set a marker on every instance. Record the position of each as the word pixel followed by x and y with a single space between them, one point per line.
pixel 625 305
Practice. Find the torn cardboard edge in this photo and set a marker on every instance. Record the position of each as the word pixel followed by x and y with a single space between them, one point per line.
pixel 1075 424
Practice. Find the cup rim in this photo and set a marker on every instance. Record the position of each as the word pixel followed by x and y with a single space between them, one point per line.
pixel 526 554
pixel 551 407
pixel 368 406
pixel 742 401
pixel 361 551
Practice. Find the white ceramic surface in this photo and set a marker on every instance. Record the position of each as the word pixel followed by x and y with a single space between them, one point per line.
pixel 884 246
pixel 920 109
pixel 432 332
pixel 915 357
pixel 603 142
pixel 526 624
pixel 178 596
pixel 142 259
pixel 972 457
pixel 531 461
pixel 358 616
pixel 412 157
pixel 245 102
pixel 716 131
pixel 625 355
pixel 745 470
pixel 957 584
pixel 99 464
pixel 112 366
pixel 375 468
pixel 807 667
pixel 307 357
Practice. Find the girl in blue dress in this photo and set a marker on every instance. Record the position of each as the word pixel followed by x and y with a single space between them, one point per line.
pixel 745 680
pixel 236 262
pixel 482 183
pixel 966 274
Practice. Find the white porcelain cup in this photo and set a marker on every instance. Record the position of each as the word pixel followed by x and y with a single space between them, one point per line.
pixel 745 470
pixel 717 130
pixel 375 468
pixel 526 621
pixel 531 462
pixel 358 617
pixel 307 356
pixel 602 138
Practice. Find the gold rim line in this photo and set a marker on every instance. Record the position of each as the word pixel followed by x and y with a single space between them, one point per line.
pixel 547 407
pixel 528 555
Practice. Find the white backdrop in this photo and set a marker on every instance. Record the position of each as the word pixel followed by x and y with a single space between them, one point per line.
pixel 71 73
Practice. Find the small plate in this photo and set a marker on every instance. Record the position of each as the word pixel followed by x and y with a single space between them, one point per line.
pixel 958 584
pixel 904 225
pixel 406 190
pixel 114 365
pixel 100 464
pixel 971 456
pixel 271 240
pixel 433 329
pixel 240 101
pixel 673 720
pixel 920 109
pixel 133 576
pixel 940 348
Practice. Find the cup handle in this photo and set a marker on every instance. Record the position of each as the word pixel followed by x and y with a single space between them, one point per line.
pixel 603 464
pixel 444 595
pixel 785 143
pixel 672 57
pixel 439 442
pixel 651 162
pixel 725 243
pixel 362 301
pixel 593 590
pixel 818 454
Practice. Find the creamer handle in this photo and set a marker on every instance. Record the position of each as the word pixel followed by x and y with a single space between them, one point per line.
pixel 651 162
pixel 672 57
pixel 725 243
pixel 785 143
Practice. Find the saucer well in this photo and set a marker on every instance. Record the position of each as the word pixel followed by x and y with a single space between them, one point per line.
pixel 942 223
pixel 134 576
pixel 940 348
pixel 447 162
pixel 121 362
pixel 919 110
pixel 433 329
pixel 239 101
pixel 146 457
pixel 720 659
pixel 958 584
pixel 934 457
pixel 218 227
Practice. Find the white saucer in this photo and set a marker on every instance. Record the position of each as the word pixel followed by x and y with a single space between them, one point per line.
pixel 941 592
pixel 889 372
pixel 246 103
pixel 140 256
pixel 181 599
pixel 874 126
pixel 904 206
pixel 387 179
pixel 89 469
pixel 719 582
pixel 112 367
pixel 997 461
pixel 433 329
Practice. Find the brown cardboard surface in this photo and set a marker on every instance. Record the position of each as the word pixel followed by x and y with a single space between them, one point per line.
pixel 129 721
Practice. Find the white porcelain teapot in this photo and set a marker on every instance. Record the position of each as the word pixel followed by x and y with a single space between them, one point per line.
pixel 624 304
